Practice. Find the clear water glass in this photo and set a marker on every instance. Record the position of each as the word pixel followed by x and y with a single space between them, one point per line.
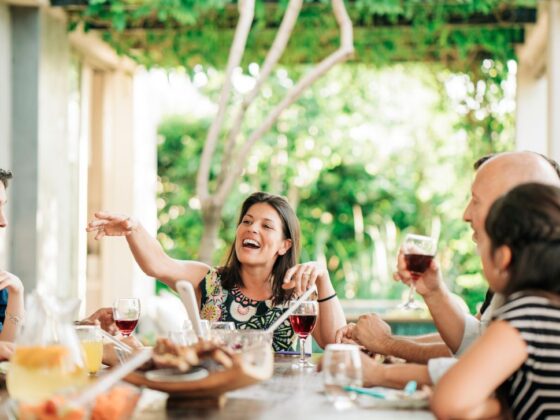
pixel 223 332
pixel 342 367
pixel 184 337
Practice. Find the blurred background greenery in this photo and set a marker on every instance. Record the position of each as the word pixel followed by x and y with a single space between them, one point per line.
pixel 376 148
pixel 368 154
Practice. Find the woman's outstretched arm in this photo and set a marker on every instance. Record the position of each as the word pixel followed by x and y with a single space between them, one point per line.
pixel 146 250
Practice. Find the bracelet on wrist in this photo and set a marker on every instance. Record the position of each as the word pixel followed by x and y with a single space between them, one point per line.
pixel 327 298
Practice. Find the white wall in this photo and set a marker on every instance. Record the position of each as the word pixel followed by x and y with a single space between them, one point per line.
pixel 56 195
pixel 145 122
pixel 538 84
pixel 5 111
pixel 531 118
pixel 553 77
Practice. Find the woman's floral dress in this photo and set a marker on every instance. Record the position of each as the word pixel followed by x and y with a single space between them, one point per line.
pixel 219 304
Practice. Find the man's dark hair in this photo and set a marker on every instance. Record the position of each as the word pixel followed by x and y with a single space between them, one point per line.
pixel 481 160
pixel 5 176
pixel 553 163
pixel 527 220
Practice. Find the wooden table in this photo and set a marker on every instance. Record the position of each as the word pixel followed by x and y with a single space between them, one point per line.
pixel 289 395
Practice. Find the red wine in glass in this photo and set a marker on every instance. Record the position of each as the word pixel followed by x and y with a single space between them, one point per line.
pixel 417 264
pixel 303 324
pixel 418 252
pixel 303 320
pixel 126 326
pixel 126 312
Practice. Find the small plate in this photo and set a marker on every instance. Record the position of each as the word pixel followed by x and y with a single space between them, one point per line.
pixel 174 375
pixel 395 399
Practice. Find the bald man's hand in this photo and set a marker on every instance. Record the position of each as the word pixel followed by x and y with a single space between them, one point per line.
pixel 428 283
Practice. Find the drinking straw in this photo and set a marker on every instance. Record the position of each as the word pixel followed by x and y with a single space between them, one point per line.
pixel 291 309
pixel 188 297
pixel 117 343
pixel 365 391
pixel 116 374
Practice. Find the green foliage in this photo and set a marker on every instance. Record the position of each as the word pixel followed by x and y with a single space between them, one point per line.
pixel 171 33
pixel 335 155
pixel 355 193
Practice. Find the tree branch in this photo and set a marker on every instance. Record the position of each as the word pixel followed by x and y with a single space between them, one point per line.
pixel 344 52
pixel 276 50
pixel 246 11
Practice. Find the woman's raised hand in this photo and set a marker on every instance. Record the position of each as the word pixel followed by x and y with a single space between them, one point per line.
pixel 111 224
pixel 302 276
pixel 10 282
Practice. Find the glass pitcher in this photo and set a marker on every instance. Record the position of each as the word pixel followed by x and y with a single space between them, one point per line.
pixel 48 358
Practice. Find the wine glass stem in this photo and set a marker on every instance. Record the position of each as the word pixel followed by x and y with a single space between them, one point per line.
pixel 302 359
pixel 412 291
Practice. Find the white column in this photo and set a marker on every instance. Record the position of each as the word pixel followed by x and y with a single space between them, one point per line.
pixel 43 232
pixel 531 117
pixel 129 181
pixel 26 35
pixel 57 174
pixel 553 75
pixel 116 260
pixel 5 112
pixel 146 121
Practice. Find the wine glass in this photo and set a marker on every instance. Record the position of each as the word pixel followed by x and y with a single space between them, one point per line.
pixel 419 251
pixel 342 368
pixel 303 320
pixel 126 312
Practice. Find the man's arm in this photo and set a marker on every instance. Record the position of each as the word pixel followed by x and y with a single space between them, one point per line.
pixel 393 376
pixel 415 352
pixel 447 314
pixel 375 335
pixel 426 338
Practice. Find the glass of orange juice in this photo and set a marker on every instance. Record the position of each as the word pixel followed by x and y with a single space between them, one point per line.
pixel 92 346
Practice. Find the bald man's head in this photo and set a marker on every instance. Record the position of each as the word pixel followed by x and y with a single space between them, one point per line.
pixel 499 174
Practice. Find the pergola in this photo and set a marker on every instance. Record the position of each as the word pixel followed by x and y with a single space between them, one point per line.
pixel 533 32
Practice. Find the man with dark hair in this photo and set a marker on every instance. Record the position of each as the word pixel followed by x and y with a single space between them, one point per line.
pixel 5 176
pixel 11 288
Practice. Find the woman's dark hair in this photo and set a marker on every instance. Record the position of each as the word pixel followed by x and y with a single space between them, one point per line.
pixel 527 220
pixel 230 272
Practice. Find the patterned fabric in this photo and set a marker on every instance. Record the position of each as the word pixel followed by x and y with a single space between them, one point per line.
pixel 3 305
pixel 219 304
pixel 533 391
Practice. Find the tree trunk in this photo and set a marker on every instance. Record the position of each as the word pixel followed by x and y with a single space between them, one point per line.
pixel 236 147
pixel 211 218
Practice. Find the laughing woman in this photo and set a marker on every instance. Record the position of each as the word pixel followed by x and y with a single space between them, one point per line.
pixel 261 272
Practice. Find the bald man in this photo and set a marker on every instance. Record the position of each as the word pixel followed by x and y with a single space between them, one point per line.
pixel 457 330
